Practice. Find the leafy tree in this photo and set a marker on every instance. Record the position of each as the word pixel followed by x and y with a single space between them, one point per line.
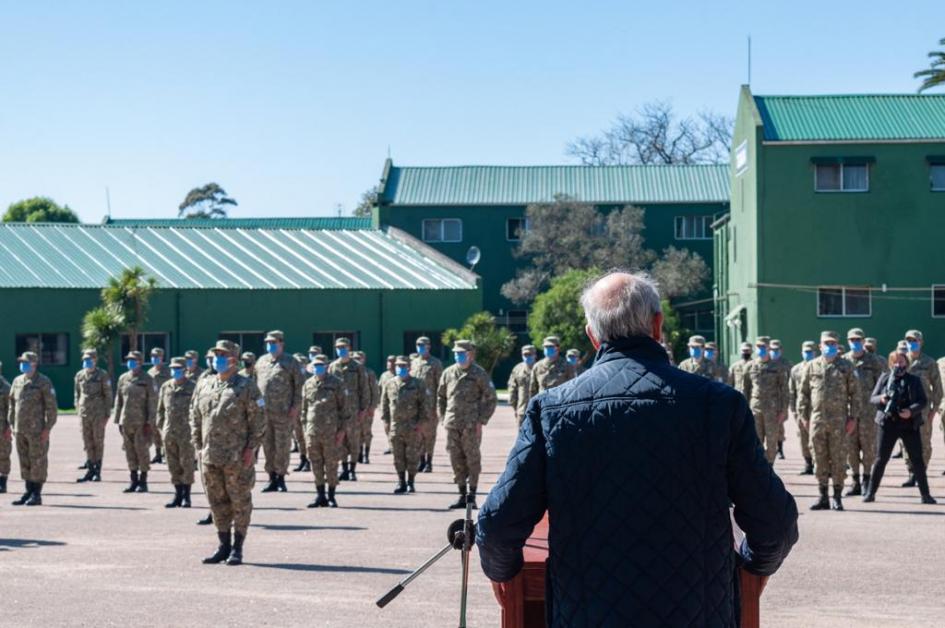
pixel 368 202
pixel 674 334
pixel 208 201
pixel 101 328
pixel 39 209
pixel 129 295
pixel 558 312
pixel 493 343
pixel 935 74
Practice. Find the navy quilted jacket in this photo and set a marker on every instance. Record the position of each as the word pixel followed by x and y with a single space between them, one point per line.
pixel 637 463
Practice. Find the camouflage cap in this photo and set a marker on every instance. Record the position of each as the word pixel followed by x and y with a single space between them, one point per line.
pixel 827 336
pixel 856 332
pixel 178 362
pixel 402 359
pixel 89 353
pixel 696 341
pixel 871 342
pixel 248 356
pixel 914 334
pixel 464 345
pixel 315 350
pixel 28 356
pixel 391 358
pixel 343 342
pixel 529 349
pixel 775 343
pixel 902 346
pixel 134 355
pixel 210 352
pixel 423 340
pixel 321 358
pixel 573 353
pixel 808 345
pixel 157 351
pixel 745 346
pixel 226 346
pixel 191 354
pixel 712 345
pixel 762 340
pixel 301 358
pixel 551 341
pixel 275 336
pixel 357 354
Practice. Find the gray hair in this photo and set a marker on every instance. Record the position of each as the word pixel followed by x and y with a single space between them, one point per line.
pixel 621 304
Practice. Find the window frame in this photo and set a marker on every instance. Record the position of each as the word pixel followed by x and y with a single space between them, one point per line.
pixel 39 350
pixel 706 221
pixel 241 333
pixel 351 334
pixel 843 166
pixel 124 336
pixel 523 221
pixel 442 230
pixel 932 304
pixel 843 301
pixel 932 187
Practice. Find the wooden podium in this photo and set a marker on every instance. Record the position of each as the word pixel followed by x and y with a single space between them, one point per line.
pixel 523 598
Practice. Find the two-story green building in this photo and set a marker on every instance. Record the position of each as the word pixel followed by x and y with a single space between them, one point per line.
pixel 837 211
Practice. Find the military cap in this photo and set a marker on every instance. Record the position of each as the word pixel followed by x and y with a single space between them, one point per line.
pixel 902 346
pixel 745 346
pixel 551 341
pixel 157 351
pixel 315 350
pixel 696 341
pixel 871 342
pixel 775 343
pixel 275 336
pixel 357 354
pixel 191 354
pixel 826 336
pixel 134 355
pixel 226 346
pixel 856 332
pixel 762 340
pixel 809 345
pixel 402 359
pixel 343 342
pixel 89 353
pixel 30 356
pixel 248 356
pixel 178 362
pixel 915 334
pixel 423 340
pixel 712 345
pixel 210 353
pixel 573 352
pixel 391 358
pixel 529 349
pixel 321 358
pixel 301 358
pixel 464 345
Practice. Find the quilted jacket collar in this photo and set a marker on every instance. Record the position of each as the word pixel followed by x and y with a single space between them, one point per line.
pixel 636 347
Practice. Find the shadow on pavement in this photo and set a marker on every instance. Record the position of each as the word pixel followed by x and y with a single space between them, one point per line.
pixel 7 544
pixel 301 528
pixel 391 508
pixel 80 507
pixel 934 513
pixel 329 568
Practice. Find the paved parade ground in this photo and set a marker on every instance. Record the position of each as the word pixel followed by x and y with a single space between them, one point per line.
pixel 95 556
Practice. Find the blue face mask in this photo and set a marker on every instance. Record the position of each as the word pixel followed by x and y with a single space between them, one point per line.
pixel 695 353
pixel 856 346
pixel 914 346
pixel 422 349
pixel 272 348
pixel 221 363
pixel 551 352
pixel 342 352
pixel 761 351
pixel 25 367
pixel 131 364
pixel 528 359
pixel 808 355
pixel 829 350
pixel 709 354
pixel 88 363
pixel 460 357
pixel 775 354
pixel 189 362
pixel 402 372
pixel 572 360
pixel 177 372
pixel 155 360
pixel 320 369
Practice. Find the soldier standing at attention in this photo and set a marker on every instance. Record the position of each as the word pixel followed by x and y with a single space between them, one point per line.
pixel 696 363
pixel 736 374
pixel 924 367
pixel 5 445
pixel 765 385
pixel 135 406
pixel 93 403
pixel 160 373
pixel 280 383
pixel 173 418
pixel 358 394
pixel 192 368
pixel 386 375
pixel 808 353
pixel 466 399
pixel 324 412
pixel 248 362
pixel 30 416
pixel 519 382
pixel 573 358
pixel 870 345
pixel 226 428
pixel 428 369
pixel 861 447
pixel 207 375
pixel 367 427
pixel 826 403
pixel 405 404
pixel 551 370
pixel 720 371
pixel 777 355
pixel 298 433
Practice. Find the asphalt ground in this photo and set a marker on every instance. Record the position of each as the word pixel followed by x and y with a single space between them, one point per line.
pixel 93 555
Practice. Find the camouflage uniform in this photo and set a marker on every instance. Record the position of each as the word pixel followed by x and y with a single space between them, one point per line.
pixel 159 374
pixel 298 434
pixel 786 365
pixel 195 372
pixel 6 447
pixel 520 384
pixel 828 396
pixel 861 445
pixel 926 369
pixel 280 383
pixel 173 420
pixel 93 403
pixel 429 370
pixel 135 406
pixel 31 410
pixel 325 413
pixel 367 423
pixel 719 370
pixel 548 374
pixel 248 360
pixel 358 395
pixel 696 363
pixel 736 372
pixel 573 358
pixel 405 404
pixel 765 384
pixel 386 375
pixel 803 433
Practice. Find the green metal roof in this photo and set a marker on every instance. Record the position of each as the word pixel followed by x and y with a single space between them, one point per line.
pixel 523 185
pixel 316 222
pixel 853 117
pixel 46 255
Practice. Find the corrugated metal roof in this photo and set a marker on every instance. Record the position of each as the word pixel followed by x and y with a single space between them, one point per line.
pixel 85 256
pixel 522 185
pixel 315 222
pixel 853 117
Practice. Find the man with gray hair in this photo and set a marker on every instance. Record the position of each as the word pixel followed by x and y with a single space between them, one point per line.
pixel 632 539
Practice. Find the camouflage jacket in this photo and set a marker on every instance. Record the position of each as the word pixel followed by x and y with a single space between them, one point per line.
pixel 386 375
pixel 765 385
pixel 194 374
pixel 520 388
pixel 372 384
pixel 466 397
pixel 828 391
pixel 867 369
pixel 736 375
pixel 93 394
pixel 227 419
pixel 4 402
pixel 429 370
pixel 703 368
pixel 926 369
pixel 135 399
pixel 719 372
pixel 324 406
pixel 357 387
pixel 280 383
pixel 547 374
pixel 794 385
pixel 173 409
pixel 32 405
pixel 404 404
pixel 160 374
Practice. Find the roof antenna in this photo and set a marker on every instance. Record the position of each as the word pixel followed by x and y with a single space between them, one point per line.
pixel 749 60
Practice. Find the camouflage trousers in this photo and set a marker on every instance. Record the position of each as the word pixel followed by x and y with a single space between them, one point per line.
pixel 351 446
pixel 406 449
pixel 180 459
pixel 463 447
pixel 828 439
pixel 137 448
pixel 367 431
pixel 428 435
pixel 768 429
pixel 93 437
pixel 277 443
pixel 323 454
pixel 157 438
pixel 298 434
pixel 804 435
pixel 925 435
pixel 34 457
pixel 781 432
pixel 861 446
pixel 6 448
pixel 229 491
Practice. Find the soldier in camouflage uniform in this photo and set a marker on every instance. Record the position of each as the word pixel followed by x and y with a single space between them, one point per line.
pixel 160 373
pixel 227 425
pixel 696 362
pixel 765 385
pixel 135 406
pixel 358 394
pixel 551 370
pixel 192 368
pixel 325 413
pixel 175 398
pixel 519 382
pixel 466 398
pixel 405 404
pixel 573 358
pixel 280 382
pixel 429 369
pixel 298 433
pixel 386 375
pixel 5 443
pixel 736 374
pixel 808 353
pixel 719 370
pixel 925 368
pixel 248 362
pixel 31 414
pixel 826 403
pixel 861 447
pixel 367 427
pixel 204 376
pixel 777 355
pixel 93 403
pixel 870 345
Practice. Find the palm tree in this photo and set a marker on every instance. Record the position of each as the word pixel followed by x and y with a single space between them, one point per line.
pixel 101 328
pixel 935 75
pixel 129 294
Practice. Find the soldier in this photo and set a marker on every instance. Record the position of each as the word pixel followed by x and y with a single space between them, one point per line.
pixel 466 398
pixel 192 365
pixel 573 358
pixel 825 404
pixel 519 382
pixel 30 416
pixel 207 375
pixel 405 404
pixel 226 428
pixel 428 369
pixel 551 370
pixel 367 433
pixel 280 383
pixel 325 413
pixel 777 355
pixel 298 434
pixel 861 447
pixel 386 375
pixel 5 444
pixel 719 370
pixel 248 362
pixel 808 349
pixel 358 394
pixel 736 374
pixel 93 403
pixel 135 406
pixel 173 418
pixel 870 345
pixel 765 385
pixel 925 368
pixel 313 352
pixel 696 362
pixel 160 373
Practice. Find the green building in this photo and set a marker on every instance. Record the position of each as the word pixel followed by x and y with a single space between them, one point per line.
pixel 837 206
pixel 316 279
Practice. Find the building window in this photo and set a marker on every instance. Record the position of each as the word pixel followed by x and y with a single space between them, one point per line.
pixel 147 341
pixel 326 340
pixel 699 321
pixel 844 302
pixel 515 228
pixel 254 341
pixel 693 227
pixel 52 349
pixel 937 177
pixel 841 177
pixel 436 343
pixel 443 230
pixel 515 320
pixel 938 301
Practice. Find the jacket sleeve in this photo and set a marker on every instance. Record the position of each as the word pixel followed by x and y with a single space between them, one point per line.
pixel 441 396
pixel 516 503
pixel 76 391
pixel 919 398
pixel 256 423
pixel 159 413
pixel 107 391
pixel 196 422
pixel 935 394
pixel 298 381
pixel 764 509
pixel 803 397
pixel 9 419
pixel 488 400
pixel 876 398
pixel 385 405
pixel 50 405
pixel 513 391
pixel 152 403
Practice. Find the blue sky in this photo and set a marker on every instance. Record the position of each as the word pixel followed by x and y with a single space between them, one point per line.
pixel 292 109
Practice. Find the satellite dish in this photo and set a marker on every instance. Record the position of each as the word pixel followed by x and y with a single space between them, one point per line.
pixel 473 255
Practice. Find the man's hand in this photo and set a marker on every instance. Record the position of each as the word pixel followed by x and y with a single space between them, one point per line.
pixel 8 434
pixel 751 585
pixel 247 457
pixel 44 436
pixel 850 426
pixel 905 413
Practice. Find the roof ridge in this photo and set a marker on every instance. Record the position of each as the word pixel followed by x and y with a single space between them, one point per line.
pixel 860 95
pixel 582 166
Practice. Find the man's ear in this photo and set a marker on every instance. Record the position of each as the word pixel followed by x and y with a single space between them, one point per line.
pixel 590 336
pixel 657 329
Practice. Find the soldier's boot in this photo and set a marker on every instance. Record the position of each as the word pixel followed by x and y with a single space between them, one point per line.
pixel 345 474
pixel 26 496
pixel 331 497
pixel 354 477
pixel 823 503
pixel 223 550
pixel 856 489
pixel 206 520
pixel 236 555
pixel 281 484
pixel 307 466
pixel 178 497
pixel 422 464
pixel 134 483
pixel 320 501
pixel 158 456
pixel 89 473
pixel 808 467
pixel 410 488
pixel 386 451
pixel 3 484
pixel 97 471
pixel 185 495
pixel 866 483
pixel 781 450
pixel 361 454
pixel 429 466
pixel 910 483
pixel 302 461
pixel 471 498
pixel 36 499
pixel 295 447
pixel 461 502
pixel 401 484
pixel 273 484
pixel 85 466
pixel 367 454
pixel 837 502
pixel 143 482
